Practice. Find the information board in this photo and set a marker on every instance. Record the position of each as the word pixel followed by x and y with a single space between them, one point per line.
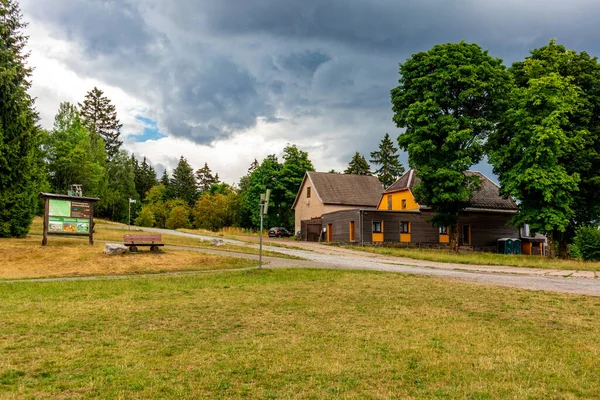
pixel 73 209
pixel 81 210
pixel 60 208
pixel 75 225
pixel 68 215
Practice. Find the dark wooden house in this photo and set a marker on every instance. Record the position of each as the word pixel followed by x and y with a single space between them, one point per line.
pixel 400 219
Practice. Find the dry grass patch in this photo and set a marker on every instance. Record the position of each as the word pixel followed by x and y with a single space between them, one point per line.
pixel 116 235
pixel 26 258
pixel 295 334
pixel 480 258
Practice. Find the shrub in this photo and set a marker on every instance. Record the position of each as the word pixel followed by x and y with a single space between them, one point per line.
pixel 587 243
pixel 179 217
pixel 146 217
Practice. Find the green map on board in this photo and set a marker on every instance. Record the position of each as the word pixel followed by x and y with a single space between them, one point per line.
pixel 60 208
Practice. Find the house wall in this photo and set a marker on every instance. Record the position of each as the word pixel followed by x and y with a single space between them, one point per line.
pixel 312 208
pixel 340 222
pixel 397 198
pixel 486 227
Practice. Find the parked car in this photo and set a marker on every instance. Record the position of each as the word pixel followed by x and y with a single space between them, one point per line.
pixel 279 232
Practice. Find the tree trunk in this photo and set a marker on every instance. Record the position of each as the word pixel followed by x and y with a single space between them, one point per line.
pixel 453 239
pixel 551 248
pixel 563 246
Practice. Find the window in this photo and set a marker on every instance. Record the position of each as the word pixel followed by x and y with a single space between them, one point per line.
pixel 376 226
pixel 308 192
pixel 404 204
pixel 352 231
pixel 389 201
pixel 404 227
pixel 443 230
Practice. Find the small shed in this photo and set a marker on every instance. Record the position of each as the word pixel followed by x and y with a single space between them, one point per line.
pixel 533 246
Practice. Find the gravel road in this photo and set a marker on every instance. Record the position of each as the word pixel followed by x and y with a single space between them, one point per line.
pixel 318 256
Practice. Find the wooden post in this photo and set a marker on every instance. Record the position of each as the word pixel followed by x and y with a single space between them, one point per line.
pixel 91 224
pixel 46 209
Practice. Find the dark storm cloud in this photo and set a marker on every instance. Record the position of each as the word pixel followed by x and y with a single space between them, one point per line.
pixel 212 68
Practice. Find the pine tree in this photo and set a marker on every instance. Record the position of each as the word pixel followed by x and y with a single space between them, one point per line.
pixel 100 118
pixel 148 177
pixel 387 157
pixel 145 176
pixel 358 166
pixel 183 183
pixel 164 179
pixel 205 178
pixel 21 176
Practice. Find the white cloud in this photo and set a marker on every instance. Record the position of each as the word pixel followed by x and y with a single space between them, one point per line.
pixel 54 82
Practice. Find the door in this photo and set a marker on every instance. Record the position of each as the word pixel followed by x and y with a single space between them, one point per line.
pixel 329 233
pixel 314 228
pixel 466 234
pixel 352 231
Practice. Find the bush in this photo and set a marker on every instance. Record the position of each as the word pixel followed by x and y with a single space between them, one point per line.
pixel 179 217
pixel 146 217
pixel 587 243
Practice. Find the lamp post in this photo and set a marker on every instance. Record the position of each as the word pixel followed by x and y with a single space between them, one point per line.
pixel 129 214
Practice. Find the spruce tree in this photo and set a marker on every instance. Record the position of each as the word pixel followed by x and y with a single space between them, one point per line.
pixel 387 157
pixel 183 183
pixel 148 179
pixel 358 166
pixel 166 182
pixel 205 178
pixel 21 175
pixel 100 118
pixel 145 176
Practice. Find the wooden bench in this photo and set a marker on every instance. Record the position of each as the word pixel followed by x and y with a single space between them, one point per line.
pixel 134 240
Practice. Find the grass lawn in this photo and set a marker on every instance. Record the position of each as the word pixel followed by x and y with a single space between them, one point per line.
pixel 26 258
pixel 116 235
pixel 295 334
pixel 480 258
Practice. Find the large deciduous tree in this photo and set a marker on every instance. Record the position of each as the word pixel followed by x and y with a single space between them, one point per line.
pixel 358 166
pixel 295 165
pixel 100 118
pixel 262 178
pixel 21 176
pixel 448 100
pixel 71 157
pixel 214 211
pixel 120 187
pixel 547 150
pixel 388 159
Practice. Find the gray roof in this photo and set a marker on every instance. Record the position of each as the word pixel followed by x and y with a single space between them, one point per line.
pixel 68 197
pixel 345 189
pixel 487 196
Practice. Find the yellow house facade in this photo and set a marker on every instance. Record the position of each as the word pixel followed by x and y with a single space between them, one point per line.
pixel 399 197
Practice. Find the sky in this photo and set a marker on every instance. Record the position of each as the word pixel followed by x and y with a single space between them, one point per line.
pixel 229 81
